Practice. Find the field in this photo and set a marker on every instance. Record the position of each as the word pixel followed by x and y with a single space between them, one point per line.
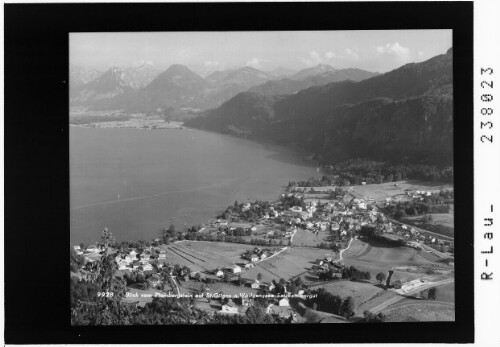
pixel 409 263
pixel 379 192
pixel 429 311
pixel 445 219
pixel 362 293
pixel 292 262
pixel 309 239
pixel 205 255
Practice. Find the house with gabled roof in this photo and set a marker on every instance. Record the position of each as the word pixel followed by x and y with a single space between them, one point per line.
pixel 229 307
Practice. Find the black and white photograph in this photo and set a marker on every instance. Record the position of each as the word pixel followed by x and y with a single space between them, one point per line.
pixel 250 173
pixel 270 177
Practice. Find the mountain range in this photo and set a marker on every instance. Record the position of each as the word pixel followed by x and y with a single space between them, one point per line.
pixel 404 114
pixel 145 89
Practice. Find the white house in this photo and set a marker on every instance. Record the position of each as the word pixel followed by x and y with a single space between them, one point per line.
pixel 93 249
pixel 263 256
pixel 219 273
pixel 284 302
pixel 147 267
pixel 133 254
pixel 249 266
pixel 123 265
pixel 311 210
pixel 270 286
pixel 235 269
pixel 361 206
pixel 254 257
pixel 230 307
pixel 76 248
pixel 246 206
pixel 296 209
pixel 162 255
pixel 255 285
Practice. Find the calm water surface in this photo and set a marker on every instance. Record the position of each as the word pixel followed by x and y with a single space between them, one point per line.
pixel 137 182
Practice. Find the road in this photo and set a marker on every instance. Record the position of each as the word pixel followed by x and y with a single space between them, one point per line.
pixel 342 250
pixel 393 300
pixel 176 286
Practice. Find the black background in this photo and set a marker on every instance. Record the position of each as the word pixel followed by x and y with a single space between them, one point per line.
pixel 37 161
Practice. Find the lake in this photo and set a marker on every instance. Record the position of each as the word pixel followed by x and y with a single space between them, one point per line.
pixel 136 182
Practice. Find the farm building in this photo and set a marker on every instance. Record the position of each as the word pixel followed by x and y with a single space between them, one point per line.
pixel 284 302
pixel 229 307
pixel 235 269
pixel 123 265
pixel 93 249
pixel 255 285
pixel 296 209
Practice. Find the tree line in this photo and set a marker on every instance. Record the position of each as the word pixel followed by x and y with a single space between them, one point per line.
pixel 356 171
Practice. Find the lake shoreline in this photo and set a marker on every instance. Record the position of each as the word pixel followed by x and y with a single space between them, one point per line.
pixel 158 186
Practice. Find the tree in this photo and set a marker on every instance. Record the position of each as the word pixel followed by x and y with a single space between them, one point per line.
pixel 197 276
pixel 373 318
pixel 432 293
pixel 398 284
pixel 107 238
pixel 299 282
pixel 381 276
pixel 259 277
pixel 347 307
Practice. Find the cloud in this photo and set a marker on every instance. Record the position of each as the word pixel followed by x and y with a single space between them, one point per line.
pixel 395 50
pixel 256 63
pixel 329 55
pixel 211 63
pixel 351 54
pixel 313 59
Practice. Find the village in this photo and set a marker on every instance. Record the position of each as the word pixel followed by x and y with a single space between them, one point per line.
pixel 278 250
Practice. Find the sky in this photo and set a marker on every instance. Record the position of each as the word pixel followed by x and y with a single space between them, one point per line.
pixel 205 52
